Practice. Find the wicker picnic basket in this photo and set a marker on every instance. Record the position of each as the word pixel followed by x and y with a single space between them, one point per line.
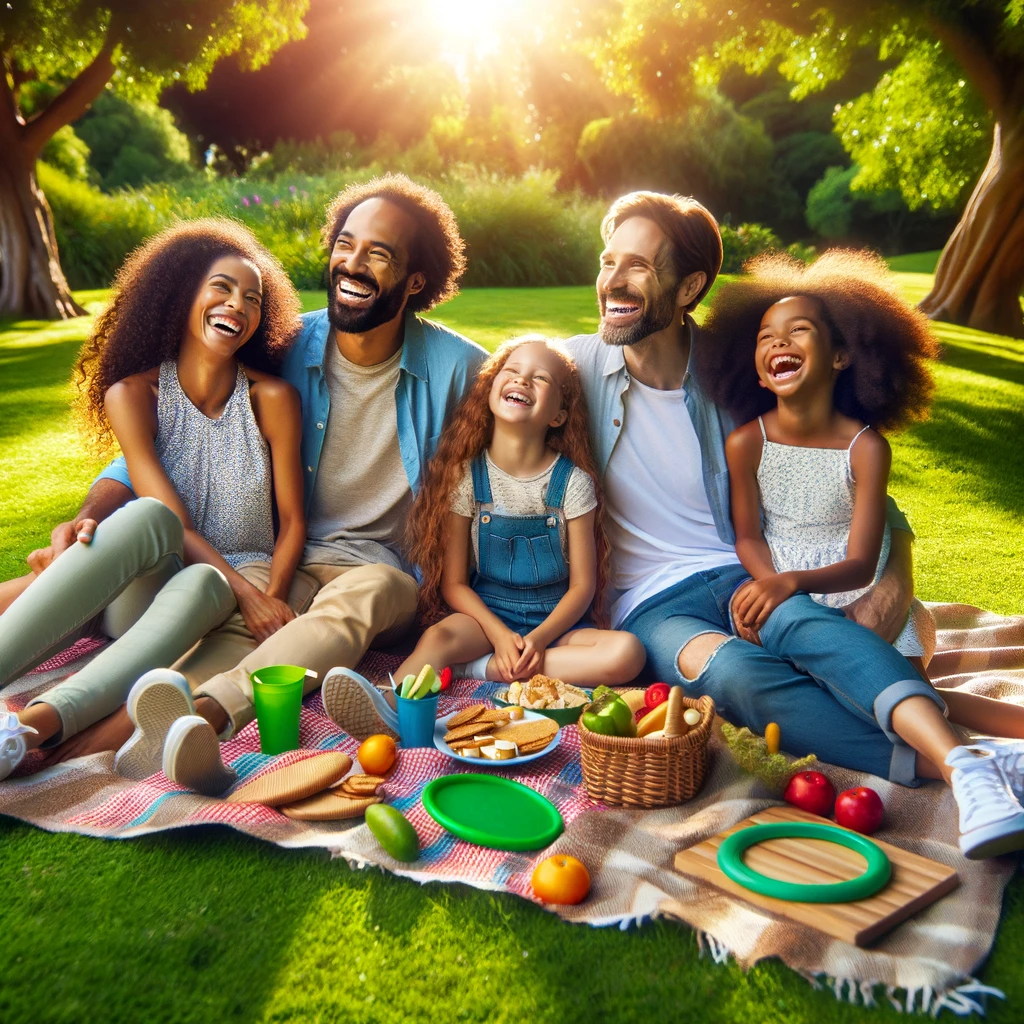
pixel 628 772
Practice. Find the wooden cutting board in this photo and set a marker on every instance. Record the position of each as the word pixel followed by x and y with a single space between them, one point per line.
pixel 915 883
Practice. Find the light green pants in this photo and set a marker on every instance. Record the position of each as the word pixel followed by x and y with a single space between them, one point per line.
pixel 129 582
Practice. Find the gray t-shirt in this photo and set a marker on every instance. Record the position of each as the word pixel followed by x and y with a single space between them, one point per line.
pixel 361 498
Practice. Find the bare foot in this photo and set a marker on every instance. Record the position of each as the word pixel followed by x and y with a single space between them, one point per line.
pixel 108 733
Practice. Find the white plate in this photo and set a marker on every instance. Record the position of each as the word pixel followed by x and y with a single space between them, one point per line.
pixel 441 727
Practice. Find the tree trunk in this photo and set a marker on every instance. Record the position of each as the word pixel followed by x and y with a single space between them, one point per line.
pixel 980 275
pixel 31 280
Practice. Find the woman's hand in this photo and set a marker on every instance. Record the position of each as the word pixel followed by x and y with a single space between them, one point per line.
pixel 761 597
pixel 507 649
pixel 263 615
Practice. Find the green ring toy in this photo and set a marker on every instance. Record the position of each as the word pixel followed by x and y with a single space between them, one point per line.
pixel 875 877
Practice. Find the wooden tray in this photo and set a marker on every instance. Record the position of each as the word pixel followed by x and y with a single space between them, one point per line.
pixel 915 883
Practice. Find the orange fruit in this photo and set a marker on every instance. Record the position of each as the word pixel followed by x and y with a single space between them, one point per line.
pixel 561 879
pixel 377 754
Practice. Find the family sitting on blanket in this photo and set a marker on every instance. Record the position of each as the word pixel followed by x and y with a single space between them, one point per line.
pixel 507 521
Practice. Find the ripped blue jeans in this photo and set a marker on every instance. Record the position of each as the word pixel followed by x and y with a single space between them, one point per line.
pixel 830 684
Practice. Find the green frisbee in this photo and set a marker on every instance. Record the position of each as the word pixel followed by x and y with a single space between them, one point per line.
pixel 875 876
pixel 493 811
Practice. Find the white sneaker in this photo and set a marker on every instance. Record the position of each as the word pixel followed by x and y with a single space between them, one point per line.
pixel 12 742
pixel 354 703
pixel 991 817
pixel 1009 755
pixel 154 703
pixel 192 757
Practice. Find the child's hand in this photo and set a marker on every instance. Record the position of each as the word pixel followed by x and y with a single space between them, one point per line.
pixel 507 648
pixel 761 597
pixel 530 660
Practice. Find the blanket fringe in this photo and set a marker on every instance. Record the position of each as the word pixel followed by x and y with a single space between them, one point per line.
pixel 718 951
pixel 963 1000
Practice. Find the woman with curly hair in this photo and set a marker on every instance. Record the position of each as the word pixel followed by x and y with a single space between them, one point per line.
pixel 820 360
pixel 179 370
pixel 507 532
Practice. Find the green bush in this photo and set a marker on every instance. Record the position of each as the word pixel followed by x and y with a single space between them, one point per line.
pixel 519 232
pixel 712 152
pixel 749 240
pixel 133 142
pixel 96 231
pixel 68 153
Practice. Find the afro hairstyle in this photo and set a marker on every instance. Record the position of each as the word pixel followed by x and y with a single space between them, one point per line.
pixel 438 252
pixel 888 382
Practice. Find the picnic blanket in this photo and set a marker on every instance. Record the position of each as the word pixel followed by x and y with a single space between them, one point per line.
pixel 925 964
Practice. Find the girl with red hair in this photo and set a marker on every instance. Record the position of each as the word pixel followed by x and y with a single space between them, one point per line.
pixel 507 532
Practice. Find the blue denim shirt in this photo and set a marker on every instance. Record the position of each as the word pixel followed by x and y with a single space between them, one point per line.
pixel 436 368
pixel 605 379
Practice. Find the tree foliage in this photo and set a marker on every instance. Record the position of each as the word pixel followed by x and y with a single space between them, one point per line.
pixel 922 131
pixel 156 43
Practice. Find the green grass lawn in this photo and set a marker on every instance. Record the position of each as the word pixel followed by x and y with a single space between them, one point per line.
pixel 209 925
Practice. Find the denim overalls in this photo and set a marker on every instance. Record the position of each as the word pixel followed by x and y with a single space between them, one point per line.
pixel 522 573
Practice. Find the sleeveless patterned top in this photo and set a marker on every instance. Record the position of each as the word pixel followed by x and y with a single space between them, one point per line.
pixel 220 468
pixel 807 499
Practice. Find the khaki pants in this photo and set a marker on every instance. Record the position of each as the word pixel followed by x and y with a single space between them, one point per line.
pixel 342 611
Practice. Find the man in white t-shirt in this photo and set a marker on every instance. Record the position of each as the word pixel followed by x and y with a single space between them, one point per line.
pixel 660 444
pixel 832 686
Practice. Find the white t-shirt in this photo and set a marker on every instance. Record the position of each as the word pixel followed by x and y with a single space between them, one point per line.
pixel 524 496
pixel 361 498
pixel 659 521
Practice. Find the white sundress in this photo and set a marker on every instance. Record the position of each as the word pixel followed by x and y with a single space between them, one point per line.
pixel 807 502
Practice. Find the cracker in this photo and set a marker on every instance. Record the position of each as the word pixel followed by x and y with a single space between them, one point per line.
pixel 499 716
pixel 524 733
pixel 532 748
pixel 362 784
pixel 476 742
pixel 471 729
pixel 329 806
pixel 465 715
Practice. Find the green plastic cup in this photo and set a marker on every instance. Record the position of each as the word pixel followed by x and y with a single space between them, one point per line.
pixel 277 696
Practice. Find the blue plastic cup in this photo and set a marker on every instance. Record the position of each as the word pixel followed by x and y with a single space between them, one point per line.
pixel 416 720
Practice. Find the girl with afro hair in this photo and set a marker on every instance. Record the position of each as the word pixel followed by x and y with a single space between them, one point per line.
pixel 507 532
pixel 818 362
pixel 178 370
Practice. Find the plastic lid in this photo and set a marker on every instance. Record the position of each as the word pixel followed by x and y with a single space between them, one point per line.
pixel 493 811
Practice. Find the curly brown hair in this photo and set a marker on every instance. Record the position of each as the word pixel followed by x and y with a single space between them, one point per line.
pixel 438 251
pixel 467 434
pixel 888 383
pixel 146 319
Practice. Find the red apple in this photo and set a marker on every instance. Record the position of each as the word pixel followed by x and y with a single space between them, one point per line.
pixel 860 809
pixel 810 791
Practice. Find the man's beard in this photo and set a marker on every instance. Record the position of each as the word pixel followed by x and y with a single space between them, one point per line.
pixel 652 319
pixel 358 321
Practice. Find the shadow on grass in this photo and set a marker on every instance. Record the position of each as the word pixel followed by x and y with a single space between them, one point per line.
pixel 181 926
pixel 28 371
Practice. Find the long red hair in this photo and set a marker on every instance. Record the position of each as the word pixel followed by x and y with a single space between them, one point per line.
pixel 467 434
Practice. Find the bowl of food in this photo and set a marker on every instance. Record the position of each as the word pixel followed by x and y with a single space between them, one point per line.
pixel 559 701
